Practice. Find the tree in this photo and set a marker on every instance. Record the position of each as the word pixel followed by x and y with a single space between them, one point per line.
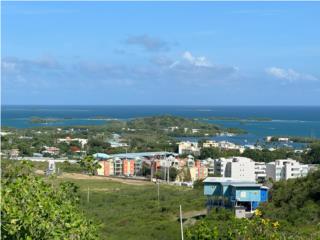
pixel 313 156
pixel 90 164
pixel 34 209
pixel 146 170
pixel 187 176
pixel 96 145
pixel 223 225
pixel 173 172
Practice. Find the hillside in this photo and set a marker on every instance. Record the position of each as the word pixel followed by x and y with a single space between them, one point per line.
pixel 296 201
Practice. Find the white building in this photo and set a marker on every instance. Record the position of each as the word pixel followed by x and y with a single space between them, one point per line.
pixel 51 150
pixel 223 145
pixel 115 144
pixel 68 140
pixel 210 144
pixel 190 161
pixel 220 166
pixel 235 167
pixel 241 168
pixel 189 148
pixel 284 169
pixel 260 171
pixel 210 165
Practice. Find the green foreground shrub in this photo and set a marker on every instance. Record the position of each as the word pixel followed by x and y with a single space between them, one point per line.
pixel 32 208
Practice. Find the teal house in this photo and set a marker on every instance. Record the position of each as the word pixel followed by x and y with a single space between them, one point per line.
pixel 229 192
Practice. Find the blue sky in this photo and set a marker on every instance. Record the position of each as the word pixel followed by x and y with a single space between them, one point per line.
pixel 164 53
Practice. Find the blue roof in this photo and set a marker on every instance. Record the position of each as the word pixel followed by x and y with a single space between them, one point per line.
pixel 245 185
pixel 132 155
pixel 101 155
pixel 227 181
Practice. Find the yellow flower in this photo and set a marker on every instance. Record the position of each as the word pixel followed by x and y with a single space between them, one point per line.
pixel 276 224
pixel 257 212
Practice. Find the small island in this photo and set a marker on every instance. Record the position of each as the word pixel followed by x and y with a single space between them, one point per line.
pixel 44 120
pixel 249 119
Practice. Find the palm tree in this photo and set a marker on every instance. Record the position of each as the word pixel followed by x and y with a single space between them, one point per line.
pixel 90 164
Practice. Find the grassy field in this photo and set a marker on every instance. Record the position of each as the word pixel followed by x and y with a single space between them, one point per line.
pixel 129 211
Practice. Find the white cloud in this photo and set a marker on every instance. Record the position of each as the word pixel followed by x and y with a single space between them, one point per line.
pixel 148 43
pixel 8 66
pixel 289 74
pixel 197 61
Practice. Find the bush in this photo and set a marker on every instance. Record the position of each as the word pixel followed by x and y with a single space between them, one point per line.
pixel 31 208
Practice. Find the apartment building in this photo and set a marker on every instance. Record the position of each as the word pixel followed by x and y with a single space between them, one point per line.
pixel 284 169
pixel 128 167
pixel 220 166
pixel 241 168
pixel 210 165
pixel 260 171
pixel 106 168
pixel 235 167
pixel 189 148
pixel 223 145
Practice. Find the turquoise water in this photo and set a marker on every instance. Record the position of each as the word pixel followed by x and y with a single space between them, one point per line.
pixel 291 121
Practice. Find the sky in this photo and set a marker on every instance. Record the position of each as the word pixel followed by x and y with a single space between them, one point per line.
pixel 160 53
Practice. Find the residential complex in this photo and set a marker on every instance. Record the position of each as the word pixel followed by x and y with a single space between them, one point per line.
pixel 68 140
pixel 284 169
pixel 241 168
pixel 260 171
pixel 235 167
pixel 129 164
pixel 223 145
pixel 189 148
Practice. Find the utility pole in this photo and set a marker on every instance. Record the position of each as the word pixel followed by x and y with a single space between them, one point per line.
pixel 169 164
pixel 151 165
pixel 164 165
pixel 158 194
pixel 181 226
pixel 88 196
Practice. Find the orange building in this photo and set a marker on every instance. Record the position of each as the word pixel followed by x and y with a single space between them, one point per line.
pixel 106 168
pixel 197 163
pixel 199 171
pixel 128 167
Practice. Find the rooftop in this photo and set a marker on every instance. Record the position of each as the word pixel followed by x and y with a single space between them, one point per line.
pixel 226 180
pixel 133 155
pixel 246 185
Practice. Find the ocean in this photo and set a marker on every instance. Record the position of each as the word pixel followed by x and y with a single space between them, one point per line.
pixel 286 120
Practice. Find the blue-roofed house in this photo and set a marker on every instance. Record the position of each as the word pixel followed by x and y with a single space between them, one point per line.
pixel 228 192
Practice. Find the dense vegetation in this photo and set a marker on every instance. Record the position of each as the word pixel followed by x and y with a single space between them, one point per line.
pixel 295 202
pixel 119 210
pixel 313 155
pixel 293 212
pixel 178 126
pixel 44 120
pixel 266 155
pixel 32 208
